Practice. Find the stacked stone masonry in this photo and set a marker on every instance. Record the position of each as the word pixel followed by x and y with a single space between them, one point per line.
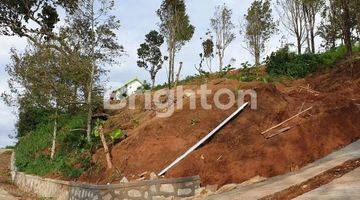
pixel 66 190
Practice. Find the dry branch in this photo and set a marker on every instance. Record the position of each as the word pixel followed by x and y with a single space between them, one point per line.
pixel 286 121
pixel 278 132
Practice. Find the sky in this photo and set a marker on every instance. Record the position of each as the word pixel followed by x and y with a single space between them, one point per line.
pixel 138 17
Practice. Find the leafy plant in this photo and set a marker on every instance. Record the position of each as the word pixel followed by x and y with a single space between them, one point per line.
pixel 72 158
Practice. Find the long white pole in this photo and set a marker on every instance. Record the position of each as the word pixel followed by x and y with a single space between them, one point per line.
pixel 203 139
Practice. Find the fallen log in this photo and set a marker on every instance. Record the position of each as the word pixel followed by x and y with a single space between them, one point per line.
pixel 204 139
pixel 262 133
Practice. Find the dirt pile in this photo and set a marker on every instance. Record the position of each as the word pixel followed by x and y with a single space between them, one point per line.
pixel 239 152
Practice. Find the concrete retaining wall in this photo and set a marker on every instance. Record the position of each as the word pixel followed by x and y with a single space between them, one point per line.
pixel 64 190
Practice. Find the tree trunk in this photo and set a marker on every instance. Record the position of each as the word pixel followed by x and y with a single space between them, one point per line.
pixel 298 39
pixel 152 82
pixel 89 104
pixel 173 64
pixel 52 155
pixel 257 56
pixel 169 72
pixel 106 148
pixel 220 61
pixel 178 74
pixel 91 78
pixel 346 25
pixel 312 37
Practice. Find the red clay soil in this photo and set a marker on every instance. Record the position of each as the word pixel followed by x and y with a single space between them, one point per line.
pixel 239 152
pixel 5 179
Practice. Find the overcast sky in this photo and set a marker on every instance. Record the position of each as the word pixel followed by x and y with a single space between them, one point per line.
pixel 138 18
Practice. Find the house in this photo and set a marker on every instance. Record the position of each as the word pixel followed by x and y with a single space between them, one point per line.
pixel 129 88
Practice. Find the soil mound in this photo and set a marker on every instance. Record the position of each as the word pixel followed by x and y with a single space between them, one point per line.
pixel 239 151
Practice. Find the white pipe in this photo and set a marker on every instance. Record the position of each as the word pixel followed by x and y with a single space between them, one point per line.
pixel 204 139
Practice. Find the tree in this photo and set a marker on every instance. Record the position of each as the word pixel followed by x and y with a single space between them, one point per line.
pixel 175 26
pixel 259 27
pixel 330 27
pixel 346 24
pixel 149 54
pixel 311 9
pixel 355 5
pixel 33 19
pixel 223 27
pixel 292 17
pixel 208 50
pixel 91 31
pixel 46 78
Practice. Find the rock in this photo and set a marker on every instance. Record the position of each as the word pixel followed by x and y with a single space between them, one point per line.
pixel 255 179
pixel 134 193
pixel 184 192
pixel 167 188
pixel 153 176
pixel 211 188
pixel 124 180
pixel 226 188
pixel 199 191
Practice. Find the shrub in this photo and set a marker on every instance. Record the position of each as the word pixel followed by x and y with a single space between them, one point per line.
pixel 72 152
pixel 286 63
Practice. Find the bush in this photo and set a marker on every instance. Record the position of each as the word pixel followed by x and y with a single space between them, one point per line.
pixel 72 155
pixel 286 63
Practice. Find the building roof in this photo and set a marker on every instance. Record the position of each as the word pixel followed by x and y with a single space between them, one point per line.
pixel 129 82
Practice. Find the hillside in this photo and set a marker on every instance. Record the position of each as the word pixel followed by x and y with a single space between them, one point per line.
pixel 239 152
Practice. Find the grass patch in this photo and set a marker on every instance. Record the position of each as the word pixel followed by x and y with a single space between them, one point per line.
pixel 72 151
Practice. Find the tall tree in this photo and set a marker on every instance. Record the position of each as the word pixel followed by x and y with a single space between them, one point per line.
pixel 149 54
pixel 33 19
pixel 292 17
pixel 356 7
pixel 224 30
pixel 92 31
pixel 175 26
pixel 259 26
pixel 330 27
pixel 311 9
pixel 46 78
pixel 346 22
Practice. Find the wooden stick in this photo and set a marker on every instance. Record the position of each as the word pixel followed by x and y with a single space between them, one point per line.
pixel 278 132
pixel 286 121
pixel 310 90
pixel 106 148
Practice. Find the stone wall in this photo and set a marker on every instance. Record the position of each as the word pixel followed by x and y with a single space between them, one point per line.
pixel 64 190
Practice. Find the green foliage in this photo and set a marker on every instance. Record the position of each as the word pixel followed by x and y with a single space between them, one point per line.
pixel 116 134
pixel 29 117
pixel 286 63
pixel 23 17
pixel 72 156
pixel 259 27
pixel 175 23
pixel 149 54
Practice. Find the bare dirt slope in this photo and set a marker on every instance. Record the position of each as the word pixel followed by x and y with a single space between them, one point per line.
pixel 7 189
pixel 239 152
